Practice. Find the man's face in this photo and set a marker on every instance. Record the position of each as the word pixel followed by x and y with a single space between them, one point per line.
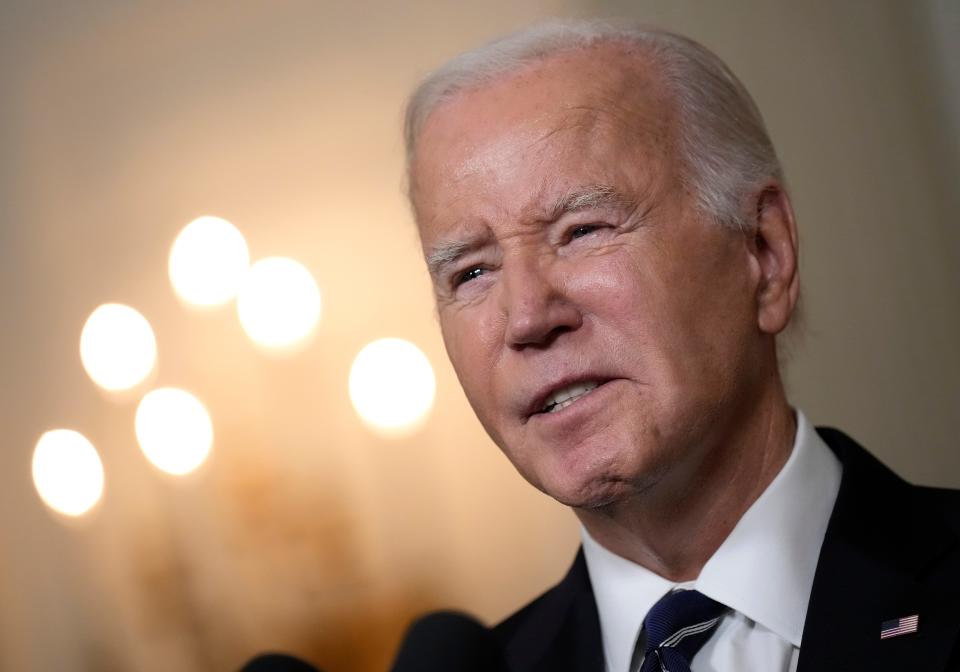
pixel 603 330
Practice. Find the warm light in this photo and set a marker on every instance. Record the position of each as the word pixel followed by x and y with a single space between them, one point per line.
pixel 207 261
pixel 392 384
pixel 279 302
pixel 117 347
pixel 67 472
pixel 174 430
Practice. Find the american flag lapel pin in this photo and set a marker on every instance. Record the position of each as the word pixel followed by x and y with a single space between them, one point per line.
pixel 899 626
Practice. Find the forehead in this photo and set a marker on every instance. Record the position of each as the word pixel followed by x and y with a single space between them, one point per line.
pixel 598 115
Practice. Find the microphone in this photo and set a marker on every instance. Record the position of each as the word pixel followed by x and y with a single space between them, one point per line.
pixel 448 641
pixel 277 662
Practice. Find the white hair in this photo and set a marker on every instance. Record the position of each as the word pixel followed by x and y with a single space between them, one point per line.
pixel 724 147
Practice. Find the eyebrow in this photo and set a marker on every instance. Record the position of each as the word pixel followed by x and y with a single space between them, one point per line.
pixel 447 252
pixel 589 197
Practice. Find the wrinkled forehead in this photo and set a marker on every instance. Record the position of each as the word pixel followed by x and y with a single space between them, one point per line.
pixel 578 102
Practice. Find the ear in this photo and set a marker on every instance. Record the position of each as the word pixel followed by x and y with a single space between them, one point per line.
pixel 775 249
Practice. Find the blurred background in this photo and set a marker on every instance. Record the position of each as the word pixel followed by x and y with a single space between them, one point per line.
pixel 301 525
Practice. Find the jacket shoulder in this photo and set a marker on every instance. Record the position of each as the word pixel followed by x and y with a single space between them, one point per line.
pixel 944 500
pixel 558 631
pixel 891 549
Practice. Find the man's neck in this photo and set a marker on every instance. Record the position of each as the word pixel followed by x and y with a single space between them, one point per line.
pixel 675 526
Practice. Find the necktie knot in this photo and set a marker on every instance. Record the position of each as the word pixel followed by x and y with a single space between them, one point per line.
pixel 676 627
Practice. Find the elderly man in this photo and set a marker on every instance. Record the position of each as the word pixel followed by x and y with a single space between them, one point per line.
pixel 613 253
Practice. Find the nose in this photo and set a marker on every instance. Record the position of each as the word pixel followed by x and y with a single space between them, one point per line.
pixel 534 303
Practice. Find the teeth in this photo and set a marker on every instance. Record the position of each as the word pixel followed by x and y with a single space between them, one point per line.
pixel 566 396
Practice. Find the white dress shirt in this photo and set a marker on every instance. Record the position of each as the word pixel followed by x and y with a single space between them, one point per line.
pixel 763 571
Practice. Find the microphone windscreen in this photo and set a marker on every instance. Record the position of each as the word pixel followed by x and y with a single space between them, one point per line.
pixel 448 642
pixel 277 662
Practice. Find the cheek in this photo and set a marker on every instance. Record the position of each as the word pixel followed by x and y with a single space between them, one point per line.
pixel 619 296
pixel 601 276
pixel 607 286
pixel 472 336
pixel 659 320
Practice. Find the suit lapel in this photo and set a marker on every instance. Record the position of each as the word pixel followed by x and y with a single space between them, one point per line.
pixel 886 554
pixel 559 632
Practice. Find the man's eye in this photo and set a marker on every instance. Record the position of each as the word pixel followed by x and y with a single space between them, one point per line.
pixel 583 230
pixel 468 275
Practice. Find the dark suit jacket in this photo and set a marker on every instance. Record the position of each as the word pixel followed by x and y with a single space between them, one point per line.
pixel 891 550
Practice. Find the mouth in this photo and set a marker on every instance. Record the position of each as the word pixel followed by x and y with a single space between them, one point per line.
pixel 565 396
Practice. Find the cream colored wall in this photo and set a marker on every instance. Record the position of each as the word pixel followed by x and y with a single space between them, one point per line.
pixel 123 121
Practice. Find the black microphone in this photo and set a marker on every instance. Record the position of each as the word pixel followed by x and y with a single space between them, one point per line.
pixel 448 641
pixel 277 662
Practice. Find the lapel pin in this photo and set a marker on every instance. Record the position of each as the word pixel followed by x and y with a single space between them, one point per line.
pixel 899 626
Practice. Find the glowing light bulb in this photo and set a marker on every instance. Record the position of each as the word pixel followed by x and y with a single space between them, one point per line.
pixel 67 472
pixel 207 261
pixel 392 385
pixel 117 347
pixel 279 303
pixel 174 430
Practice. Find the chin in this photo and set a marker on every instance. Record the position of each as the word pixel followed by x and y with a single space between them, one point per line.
pixel 600 483
pixel 592 492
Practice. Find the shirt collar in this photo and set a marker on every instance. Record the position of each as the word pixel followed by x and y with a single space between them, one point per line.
pixel 764 569
pixel 624 592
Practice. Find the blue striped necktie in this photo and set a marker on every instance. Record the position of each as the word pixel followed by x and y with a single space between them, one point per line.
pixel 676 627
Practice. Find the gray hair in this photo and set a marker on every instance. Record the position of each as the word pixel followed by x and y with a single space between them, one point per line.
pixel 724 146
